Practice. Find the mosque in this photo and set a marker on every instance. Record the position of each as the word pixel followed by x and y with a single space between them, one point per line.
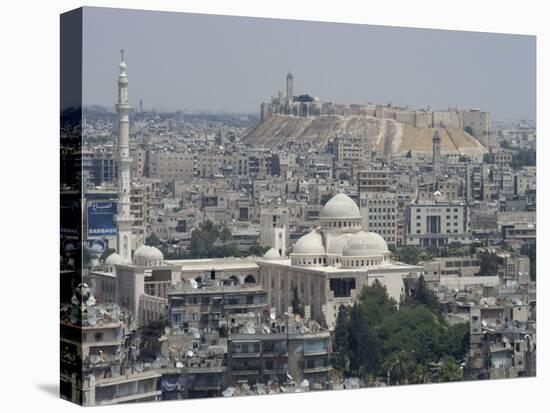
pixel 330 265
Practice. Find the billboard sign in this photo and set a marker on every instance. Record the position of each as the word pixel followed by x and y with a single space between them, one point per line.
pixel 101 216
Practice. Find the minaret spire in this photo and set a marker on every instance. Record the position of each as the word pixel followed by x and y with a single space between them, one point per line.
pixel 124 219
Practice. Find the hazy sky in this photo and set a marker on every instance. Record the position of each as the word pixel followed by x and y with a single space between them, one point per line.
pixel 201 62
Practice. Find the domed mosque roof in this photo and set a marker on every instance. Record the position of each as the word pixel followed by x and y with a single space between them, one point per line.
pixel 311 243
pixel 271 254
pixel 364 244
pixel 340 206
pixel 114 259
pixel 146 255
pixel 336 245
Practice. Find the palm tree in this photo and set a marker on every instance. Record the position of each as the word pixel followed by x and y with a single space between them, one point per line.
pixel 399 365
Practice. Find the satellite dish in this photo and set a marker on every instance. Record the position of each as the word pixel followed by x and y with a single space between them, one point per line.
pixel 179 364
pixel 193 283
pixel 189 354
pixel 228 392
pixel 250 330
pixel 304 383
pixel 272 316
pixel 94 359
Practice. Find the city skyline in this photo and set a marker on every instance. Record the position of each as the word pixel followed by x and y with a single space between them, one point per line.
pixel 244 60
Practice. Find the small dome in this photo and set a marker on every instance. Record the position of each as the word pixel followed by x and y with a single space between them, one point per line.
pixel 310 244
pixel 271 254
pixel 336 245
pixel 114 259
pixel 122 66
pixel 340 206
pixel 148 256
pixel 365 244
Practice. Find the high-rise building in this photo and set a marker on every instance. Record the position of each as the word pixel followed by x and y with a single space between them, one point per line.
pixel 124 219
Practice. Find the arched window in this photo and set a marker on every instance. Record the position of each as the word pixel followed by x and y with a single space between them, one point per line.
pixel 249 279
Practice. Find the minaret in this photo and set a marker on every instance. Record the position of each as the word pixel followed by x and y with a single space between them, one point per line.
pixel 436 155
pixel 124 219
pixel 290 87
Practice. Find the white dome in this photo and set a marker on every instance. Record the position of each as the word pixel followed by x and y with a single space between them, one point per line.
pixel 114 259
pixel 148 256
pixel 336 245
pixel 311 244
pixel 271 254
pixel 340 206
pixel 365 244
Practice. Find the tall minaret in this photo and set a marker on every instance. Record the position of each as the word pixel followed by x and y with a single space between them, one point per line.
pixel 289 87
pixel 124 219
pixel 436 155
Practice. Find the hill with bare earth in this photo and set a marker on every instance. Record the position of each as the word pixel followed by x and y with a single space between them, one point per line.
pixel 385 135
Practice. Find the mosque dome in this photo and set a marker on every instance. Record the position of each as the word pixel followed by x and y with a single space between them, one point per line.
pixel 340 206
pixel 365 244
pixel 271 254
pixel 114 259
pixel 336 245
pixel 311 244
pixel 148 256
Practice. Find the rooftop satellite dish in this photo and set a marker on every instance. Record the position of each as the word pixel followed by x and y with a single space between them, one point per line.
pixel 272 316
pixel 304 383
pixel 228 392
pixel 94 359
pixel 179 364
pixel 189 353
pixel 196 335
pixel 250 330
pixel 193 284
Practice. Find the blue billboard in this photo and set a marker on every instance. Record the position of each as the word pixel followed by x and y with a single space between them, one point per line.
pixel 101 216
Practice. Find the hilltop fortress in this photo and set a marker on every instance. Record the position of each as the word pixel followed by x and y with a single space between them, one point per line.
pixel 391 129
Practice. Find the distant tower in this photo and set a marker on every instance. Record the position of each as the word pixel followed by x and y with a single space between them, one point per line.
pixel 140 106
pixel 436 155
pixel 289 87
pixel 124 219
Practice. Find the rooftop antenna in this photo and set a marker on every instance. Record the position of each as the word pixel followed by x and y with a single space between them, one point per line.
pixel 122 55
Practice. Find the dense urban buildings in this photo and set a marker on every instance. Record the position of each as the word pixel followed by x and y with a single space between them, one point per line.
pixel 236 254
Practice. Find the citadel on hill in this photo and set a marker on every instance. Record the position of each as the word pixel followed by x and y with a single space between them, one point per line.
pixel 391 129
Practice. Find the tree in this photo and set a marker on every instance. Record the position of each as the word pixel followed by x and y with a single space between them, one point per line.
pixel 340 359
pixel 531 251
pixel 304 98
pixel 399 365
pixel 325 198
pixel 364 346
pixel 297 306
pixel 488 263
pixel 449 370
pixel 152 240
pixel 423 295
pixel 257 249
pixel 106 253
